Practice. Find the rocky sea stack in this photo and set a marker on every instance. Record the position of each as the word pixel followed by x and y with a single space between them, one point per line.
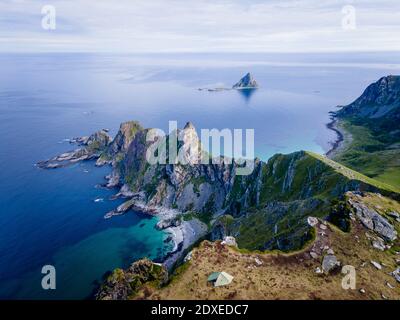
pixel 247 82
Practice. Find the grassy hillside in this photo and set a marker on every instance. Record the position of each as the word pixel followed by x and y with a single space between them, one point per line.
pixel 284 276
pixel 294 187
pixel 372 154
pixel 373 121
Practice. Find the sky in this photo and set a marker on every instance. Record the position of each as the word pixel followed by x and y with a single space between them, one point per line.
pixel 157 26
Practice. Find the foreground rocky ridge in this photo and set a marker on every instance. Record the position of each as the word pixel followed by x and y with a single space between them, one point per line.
pixel 123 284
pixel 311 273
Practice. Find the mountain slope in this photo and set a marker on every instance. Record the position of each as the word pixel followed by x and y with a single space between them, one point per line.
pixel 294 187
pixel 372 145
pixel 296 275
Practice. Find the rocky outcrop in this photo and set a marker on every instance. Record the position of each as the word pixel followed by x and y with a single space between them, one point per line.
pixel 247 82
pixel 168 223
pixel 396 274
pixel 229 241
pixel 373 220
pixel 91 149
pixel 124 137
pixel 124 284
pixel 378 100
pixel 121 209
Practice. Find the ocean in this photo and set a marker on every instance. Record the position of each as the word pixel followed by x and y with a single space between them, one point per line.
pixel 51 217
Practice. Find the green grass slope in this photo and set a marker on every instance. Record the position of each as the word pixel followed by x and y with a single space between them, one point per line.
pixel 294 187
pixel 371 153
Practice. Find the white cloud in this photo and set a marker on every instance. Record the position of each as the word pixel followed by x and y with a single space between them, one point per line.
pixel 200 26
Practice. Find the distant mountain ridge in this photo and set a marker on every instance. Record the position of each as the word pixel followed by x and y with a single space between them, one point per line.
pixel 378 108
pixel 372 126
pixel 378 100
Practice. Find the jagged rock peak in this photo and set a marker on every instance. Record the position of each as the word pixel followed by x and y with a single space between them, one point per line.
pixel 125 135
pixel 192 145
pixel 189 125
pixel 246 82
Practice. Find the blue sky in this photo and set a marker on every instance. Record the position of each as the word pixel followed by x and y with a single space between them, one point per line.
pixel 200 26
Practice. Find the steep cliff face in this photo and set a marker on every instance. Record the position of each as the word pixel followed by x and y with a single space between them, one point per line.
pixel 294 187
pixel 379 99
pixel 120 144
pixel 269 207
pixel 193 187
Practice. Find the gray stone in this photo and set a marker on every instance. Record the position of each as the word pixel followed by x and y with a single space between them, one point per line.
pixel 394 214
pixel 258 261
pixel 314 255
pixel 376 265
pixel 312 221
pixel 396 274
pixel 374 221
pixel 188 257
pixel 378 245
pixel 230 241
pixel 329 263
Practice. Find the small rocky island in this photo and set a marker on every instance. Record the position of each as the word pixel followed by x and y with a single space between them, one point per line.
pixel 247 82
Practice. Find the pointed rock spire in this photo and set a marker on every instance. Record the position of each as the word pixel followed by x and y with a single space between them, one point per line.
pixel 247 82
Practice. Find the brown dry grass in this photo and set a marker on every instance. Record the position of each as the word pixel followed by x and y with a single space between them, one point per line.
pixel 285 276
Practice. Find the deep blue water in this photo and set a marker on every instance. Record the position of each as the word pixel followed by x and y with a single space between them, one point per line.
pixel 50 217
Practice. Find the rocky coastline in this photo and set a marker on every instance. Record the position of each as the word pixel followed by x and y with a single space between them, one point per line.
pixel 182 233
pixel 343 138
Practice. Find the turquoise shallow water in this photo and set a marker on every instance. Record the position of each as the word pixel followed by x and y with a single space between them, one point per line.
pixel 89 258
pixel 50 217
